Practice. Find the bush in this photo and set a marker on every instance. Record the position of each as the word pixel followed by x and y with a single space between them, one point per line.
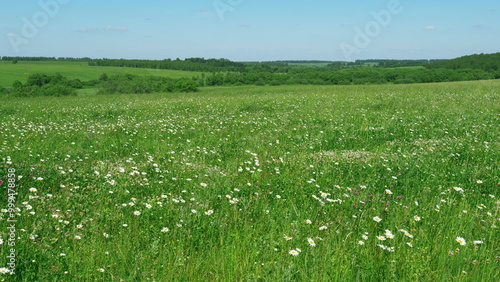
pixel 131 84
pixel 44 85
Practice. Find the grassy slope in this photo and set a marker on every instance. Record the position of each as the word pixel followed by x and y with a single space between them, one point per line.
pixel 350 142
pixel 20 71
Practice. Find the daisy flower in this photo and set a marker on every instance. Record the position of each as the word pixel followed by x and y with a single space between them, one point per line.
pixel 377 219
pixel 165 229
pixel 461 241
pixel 4 270
pixel 294 253
pixel 137 213
pixel 311 242
pixel 416 218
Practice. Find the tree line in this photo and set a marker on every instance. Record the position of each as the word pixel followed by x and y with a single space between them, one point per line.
pixel 189 64
pixel 357 76
pixel 58 85
pixel 487 62
pixel 44 59
pixel 134 84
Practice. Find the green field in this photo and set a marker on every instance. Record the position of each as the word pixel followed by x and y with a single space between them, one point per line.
pixel 74 70
pixel 289 183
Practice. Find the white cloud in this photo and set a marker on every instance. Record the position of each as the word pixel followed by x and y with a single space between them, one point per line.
pixel 431 27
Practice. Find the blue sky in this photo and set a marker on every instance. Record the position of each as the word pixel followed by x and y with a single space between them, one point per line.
pixel 250 30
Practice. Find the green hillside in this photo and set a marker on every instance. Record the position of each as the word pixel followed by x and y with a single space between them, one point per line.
pixel 72 70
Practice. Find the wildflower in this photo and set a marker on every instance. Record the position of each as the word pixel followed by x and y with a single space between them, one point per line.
pixel 377 219
pixel 105 235
pixel 323 228
pixel 4 270
pixel 409 244
pixel 165 229
pixel 416 218
pixel 101 270
pixel 364 237
pixel 389 236
pixel 381 238
pixel 458 189
pixel 311 242
pixel 477 242
pixel 388 192
pixel 137 213
pixel 33 190
pixel 62 254
pixel 78 237
pixel 148 206
pixel 125 225
pixel 461 241
pixel 209 212
pixel 308 221
pixel 294 253
pixel 288 238
pixel 203 184
pixel 361 243
pixel 479 182
pixel 194 211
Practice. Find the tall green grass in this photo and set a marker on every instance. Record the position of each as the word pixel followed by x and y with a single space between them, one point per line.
pixel 228 184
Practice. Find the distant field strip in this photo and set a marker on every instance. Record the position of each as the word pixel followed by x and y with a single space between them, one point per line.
pixel 74 70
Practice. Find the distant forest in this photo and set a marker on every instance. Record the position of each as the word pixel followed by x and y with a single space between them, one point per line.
pixel 220 72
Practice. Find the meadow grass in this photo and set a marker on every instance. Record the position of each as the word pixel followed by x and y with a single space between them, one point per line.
pixel 289 183
pixel 75 70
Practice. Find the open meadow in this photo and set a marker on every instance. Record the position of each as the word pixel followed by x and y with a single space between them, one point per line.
pixel 75 70
pixel 287 183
